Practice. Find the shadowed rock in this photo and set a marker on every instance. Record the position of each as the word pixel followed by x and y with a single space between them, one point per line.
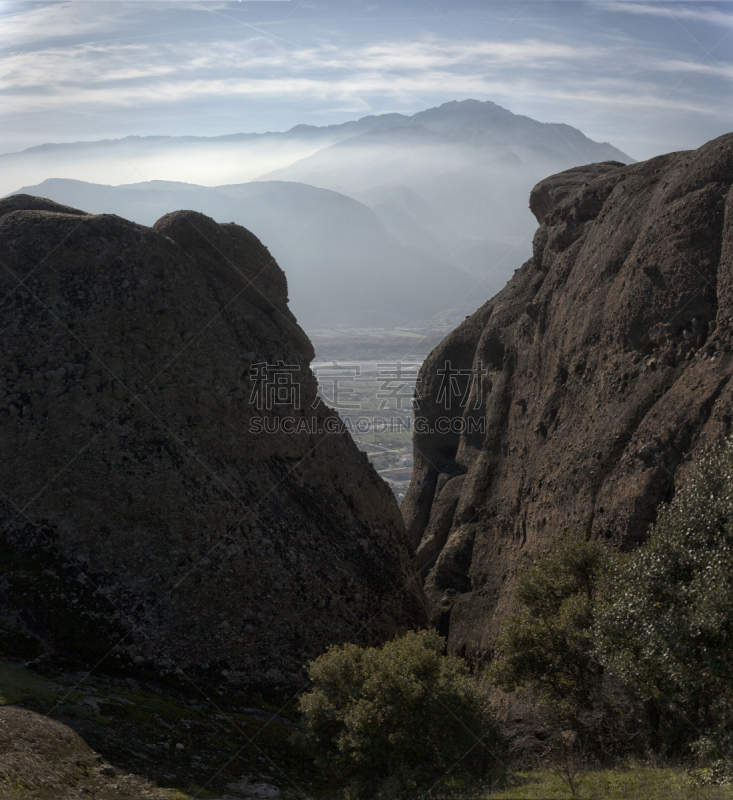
pixel 150 497
pixel 600 372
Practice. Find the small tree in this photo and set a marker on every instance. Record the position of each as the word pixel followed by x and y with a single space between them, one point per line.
pixel 548 653
pixel 548 646
pixel 396 720
pixel 668 625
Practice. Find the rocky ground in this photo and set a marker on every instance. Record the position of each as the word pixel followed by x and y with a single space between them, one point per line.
pixel 69 734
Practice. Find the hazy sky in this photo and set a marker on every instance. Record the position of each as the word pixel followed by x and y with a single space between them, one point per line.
pixel 648 77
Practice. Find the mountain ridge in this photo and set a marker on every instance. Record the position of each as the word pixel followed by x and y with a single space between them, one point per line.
pixel 363 124
pixel 443 218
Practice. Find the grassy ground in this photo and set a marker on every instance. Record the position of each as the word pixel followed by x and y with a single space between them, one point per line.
pixel 17 682
pixel 629 783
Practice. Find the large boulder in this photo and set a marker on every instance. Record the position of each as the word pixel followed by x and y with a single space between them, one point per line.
pixel 582 392
pixel 174 497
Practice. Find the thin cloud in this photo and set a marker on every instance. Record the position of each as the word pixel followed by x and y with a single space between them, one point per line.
pixel 677 11
pixel 21 27
pixel 137 68
pixel 718 70
pixel 144 74
pixel 127 70
pixel 603 93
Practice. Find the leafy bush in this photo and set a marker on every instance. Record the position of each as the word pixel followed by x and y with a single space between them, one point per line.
pixel 548 653
pixel 668 625
pixel 396 720
pixel 549 645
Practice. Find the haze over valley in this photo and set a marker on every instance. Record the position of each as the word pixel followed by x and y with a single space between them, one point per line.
pixel 386 221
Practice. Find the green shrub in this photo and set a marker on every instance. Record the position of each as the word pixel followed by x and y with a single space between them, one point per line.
pixel 397 720
pixel 668 623
pixel 548 646
pixel 547 654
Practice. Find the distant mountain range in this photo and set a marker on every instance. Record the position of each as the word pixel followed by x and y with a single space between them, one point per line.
pixel 376 221
pixel 454 180
pixel 342 265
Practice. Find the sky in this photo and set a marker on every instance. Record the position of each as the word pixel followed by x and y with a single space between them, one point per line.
pixel 649 77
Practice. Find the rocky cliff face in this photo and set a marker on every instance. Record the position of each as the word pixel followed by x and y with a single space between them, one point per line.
pixel 173 495
pixel 599 372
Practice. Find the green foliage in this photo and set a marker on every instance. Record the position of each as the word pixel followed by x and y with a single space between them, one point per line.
pixel 396 720
pixel 549 645
pixel 668 623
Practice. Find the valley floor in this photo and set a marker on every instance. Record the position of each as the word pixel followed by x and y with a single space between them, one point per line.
pixel 374 398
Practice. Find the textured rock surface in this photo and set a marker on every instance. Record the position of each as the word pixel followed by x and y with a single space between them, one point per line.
pixel 135 499
pixel 46 759
pixel 607 370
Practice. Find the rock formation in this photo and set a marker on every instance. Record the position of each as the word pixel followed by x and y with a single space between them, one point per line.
pixel 600 372
pixel 170 484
